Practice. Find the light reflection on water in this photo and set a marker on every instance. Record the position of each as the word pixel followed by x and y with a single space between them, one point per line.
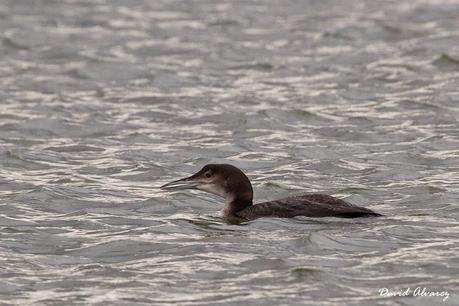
pixel 103 102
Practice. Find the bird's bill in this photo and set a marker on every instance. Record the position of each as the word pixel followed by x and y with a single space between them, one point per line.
pixel 184 183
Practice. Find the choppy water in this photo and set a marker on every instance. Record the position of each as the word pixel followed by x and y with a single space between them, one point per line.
pixel 103 101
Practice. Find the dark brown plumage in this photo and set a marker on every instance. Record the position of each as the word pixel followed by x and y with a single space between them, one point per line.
pixel 309 205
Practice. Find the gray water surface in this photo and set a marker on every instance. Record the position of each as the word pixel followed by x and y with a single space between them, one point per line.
pixel 103 101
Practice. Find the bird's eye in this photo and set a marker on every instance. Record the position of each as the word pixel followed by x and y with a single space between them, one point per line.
pixel 208 174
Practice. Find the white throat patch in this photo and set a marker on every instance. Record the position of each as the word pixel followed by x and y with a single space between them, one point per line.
pixel 213 188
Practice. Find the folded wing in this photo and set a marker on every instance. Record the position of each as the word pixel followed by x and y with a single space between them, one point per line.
pixel 310 205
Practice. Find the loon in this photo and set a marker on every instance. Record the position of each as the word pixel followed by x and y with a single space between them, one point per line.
pixel 231 183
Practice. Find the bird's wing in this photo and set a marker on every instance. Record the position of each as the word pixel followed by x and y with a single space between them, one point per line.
pixel 310 205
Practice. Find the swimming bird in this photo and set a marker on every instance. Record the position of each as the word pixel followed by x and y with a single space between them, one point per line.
pixel 231 183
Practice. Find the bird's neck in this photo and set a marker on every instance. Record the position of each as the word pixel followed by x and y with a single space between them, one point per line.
pixel 236 202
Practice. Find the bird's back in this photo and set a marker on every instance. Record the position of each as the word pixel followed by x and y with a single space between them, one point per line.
pixel 310 205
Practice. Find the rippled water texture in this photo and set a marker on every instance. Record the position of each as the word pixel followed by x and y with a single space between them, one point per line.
pixel 103 101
